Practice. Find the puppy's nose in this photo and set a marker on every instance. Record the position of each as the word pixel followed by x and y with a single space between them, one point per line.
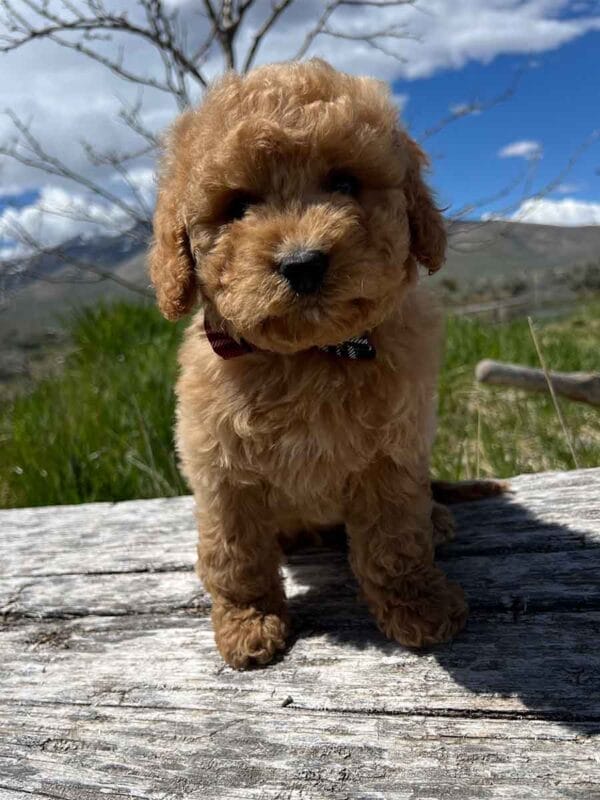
pixel 304 270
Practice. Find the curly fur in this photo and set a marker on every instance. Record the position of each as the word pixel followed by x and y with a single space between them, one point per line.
pixel 287 438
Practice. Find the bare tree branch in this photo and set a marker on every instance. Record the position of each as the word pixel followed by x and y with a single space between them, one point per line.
pixel 39 250
pixel 378 3
pixel 117 163
pixel 226 23
pixel 329 9
pixel 277 10
pixel 500 220
pixel 93 30
pixel 130 116
pixel 115 66
pixel 476 106
pixel 321 26
pixel 159 33
pixel 42 160
pixel 549 186
pixel 374 39
pixel 524 177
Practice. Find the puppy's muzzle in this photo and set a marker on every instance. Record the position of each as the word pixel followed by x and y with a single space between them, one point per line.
pixel 304 270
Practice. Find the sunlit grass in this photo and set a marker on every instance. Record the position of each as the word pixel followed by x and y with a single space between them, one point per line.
pixel 518 431
pixel 102 429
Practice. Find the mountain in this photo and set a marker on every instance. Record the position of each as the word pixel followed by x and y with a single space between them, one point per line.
pixel 498 249
pixel 488 250
pixel 47 287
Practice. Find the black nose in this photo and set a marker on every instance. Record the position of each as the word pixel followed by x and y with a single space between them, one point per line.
pixel 304 270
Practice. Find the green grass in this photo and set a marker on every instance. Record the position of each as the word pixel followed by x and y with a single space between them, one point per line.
pixel 102 429
pixel 506 431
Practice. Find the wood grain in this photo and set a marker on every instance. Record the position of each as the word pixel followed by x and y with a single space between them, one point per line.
pixel 110 685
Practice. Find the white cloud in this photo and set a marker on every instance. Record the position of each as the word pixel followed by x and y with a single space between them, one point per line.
pixel 568 212
pixel 567 188
pixel 68 98
pixel 401 100
pixel 526 148
pixel 55 217
pixel 464 109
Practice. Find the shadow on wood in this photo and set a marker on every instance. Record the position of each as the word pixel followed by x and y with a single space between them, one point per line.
pixel 534 595
pixel 110 684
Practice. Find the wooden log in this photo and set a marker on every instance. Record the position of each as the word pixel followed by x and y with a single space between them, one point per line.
pixel 581 386
pixel 86 752
pixel 110 684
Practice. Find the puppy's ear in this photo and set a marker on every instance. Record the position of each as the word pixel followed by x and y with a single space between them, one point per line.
pixel 427 229
pixel 171 259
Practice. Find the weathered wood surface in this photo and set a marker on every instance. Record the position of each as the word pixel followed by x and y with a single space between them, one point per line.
pixel 581 386
pixel 110 685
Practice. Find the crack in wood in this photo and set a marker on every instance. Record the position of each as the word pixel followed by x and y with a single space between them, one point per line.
pixel 452 713
pixel 43 792
pixel 14 618
pixel 414 713
pixel 112 687
pixel 517 606
pixel 150 570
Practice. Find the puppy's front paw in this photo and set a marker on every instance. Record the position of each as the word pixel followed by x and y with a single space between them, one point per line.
pixel 423 613
pixel 247 636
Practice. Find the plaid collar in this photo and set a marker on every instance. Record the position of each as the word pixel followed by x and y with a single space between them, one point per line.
pixel 358 348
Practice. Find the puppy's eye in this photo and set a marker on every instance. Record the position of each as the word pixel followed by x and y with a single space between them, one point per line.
pixel 343 182
pixel 237 205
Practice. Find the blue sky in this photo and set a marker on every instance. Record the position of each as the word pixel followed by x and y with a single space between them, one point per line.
pixel 18 199
pixel 457 52
pixel 556 103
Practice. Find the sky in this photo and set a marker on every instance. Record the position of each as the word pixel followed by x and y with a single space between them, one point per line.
pixel 533 157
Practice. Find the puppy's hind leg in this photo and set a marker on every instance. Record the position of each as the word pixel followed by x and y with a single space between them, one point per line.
pixel 238 562
pixel 391 553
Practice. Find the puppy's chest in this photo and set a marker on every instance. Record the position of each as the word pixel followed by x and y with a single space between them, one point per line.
pixel 315 436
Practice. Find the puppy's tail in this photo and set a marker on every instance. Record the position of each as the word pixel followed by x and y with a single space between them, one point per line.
pixel 448 492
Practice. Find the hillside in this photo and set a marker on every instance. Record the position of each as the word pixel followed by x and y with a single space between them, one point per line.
pixel 476 250
pixel 489 251
pixel 503 249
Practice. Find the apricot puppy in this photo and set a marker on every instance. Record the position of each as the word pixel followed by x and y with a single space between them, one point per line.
pixel 292 210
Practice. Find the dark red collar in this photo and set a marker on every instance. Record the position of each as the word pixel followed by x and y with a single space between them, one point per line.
pixel 356 349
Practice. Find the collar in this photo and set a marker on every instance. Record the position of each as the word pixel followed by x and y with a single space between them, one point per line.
pixel 359 348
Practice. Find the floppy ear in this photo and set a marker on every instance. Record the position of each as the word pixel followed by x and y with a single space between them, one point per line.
pixel 171 259
pixel 427 229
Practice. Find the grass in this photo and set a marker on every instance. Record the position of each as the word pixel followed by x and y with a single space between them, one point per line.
pixel 508 431
pixel 102 429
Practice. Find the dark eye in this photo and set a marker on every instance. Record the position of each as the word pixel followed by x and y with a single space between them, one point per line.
pixel 237 205
pixel 343 182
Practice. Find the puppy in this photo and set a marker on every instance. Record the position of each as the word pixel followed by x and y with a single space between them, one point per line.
pixel 292 210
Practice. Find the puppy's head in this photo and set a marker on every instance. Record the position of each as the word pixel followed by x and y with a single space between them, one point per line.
pixel 292 206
